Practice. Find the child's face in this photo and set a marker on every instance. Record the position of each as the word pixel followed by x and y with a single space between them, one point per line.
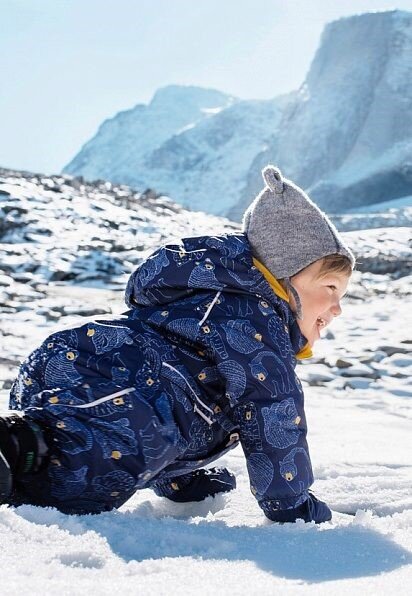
pixel 320 298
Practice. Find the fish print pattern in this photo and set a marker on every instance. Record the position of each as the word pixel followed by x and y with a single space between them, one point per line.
pixel 152 267
pixel 290 472
pixel 247 419
pixel 115 438
pixel 113 483
pixel 153 448
pixel 106 337
pixel 281 423
pixel 280 381
pixel 60 370
pixel 242 336
pixel 67 484
pixel 203 274
pixel 261 473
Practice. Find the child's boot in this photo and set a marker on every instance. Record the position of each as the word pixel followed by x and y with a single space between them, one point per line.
pixel 22 450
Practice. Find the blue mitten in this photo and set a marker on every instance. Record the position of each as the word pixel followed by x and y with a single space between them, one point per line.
pixel 311 510
pixel 196 485
pixel 318 511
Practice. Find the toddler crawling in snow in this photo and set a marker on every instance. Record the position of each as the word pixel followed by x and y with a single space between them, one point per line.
pixel 203 359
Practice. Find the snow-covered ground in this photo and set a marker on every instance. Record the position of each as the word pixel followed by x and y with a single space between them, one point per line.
pixel 358 403
pixel 361 450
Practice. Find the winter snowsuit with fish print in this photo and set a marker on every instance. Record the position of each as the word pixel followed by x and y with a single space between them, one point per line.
pixel 203 359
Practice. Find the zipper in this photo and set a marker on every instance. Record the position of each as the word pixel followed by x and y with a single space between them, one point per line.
pixel 211 305
pixel 197 398
pixel 101 400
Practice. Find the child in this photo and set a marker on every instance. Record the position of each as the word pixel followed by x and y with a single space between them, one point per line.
pixel 204 359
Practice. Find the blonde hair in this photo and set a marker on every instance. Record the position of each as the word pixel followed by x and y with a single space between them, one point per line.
pixel 335 264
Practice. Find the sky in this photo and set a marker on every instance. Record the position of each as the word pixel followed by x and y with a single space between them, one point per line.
pixel 67 65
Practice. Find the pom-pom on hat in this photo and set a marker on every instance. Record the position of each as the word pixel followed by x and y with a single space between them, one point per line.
pixel 286 230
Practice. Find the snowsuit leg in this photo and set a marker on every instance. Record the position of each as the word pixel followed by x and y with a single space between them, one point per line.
pixel 105 439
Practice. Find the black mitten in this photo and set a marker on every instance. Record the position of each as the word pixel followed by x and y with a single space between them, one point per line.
pixel 196 485
pixel 311 510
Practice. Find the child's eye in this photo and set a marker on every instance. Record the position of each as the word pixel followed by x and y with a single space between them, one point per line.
pixel 332 287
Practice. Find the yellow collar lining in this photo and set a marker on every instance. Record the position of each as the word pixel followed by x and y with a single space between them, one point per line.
pixel 306 351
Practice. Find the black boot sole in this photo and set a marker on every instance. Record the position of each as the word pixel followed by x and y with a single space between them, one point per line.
pixel 5 479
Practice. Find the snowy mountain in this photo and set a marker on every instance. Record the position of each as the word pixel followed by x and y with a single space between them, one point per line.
pixel 66 249
pixel 346 135
pixel 198 155
pixel 122 144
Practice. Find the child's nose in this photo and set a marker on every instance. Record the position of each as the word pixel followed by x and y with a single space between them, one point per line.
pixel 336 309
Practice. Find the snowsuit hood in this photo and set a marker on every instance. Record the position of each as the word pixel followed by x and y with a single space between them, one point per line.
pixel 176 271
pixel 220 263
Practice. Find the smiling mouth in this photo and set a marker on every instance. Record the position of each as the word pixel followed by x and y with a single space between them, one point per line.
pixel 321 322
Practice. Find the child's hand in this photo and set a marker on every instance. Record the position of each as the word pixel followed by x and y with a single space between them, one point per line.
pixel 318 510
pixel 196 485
pixel 311 510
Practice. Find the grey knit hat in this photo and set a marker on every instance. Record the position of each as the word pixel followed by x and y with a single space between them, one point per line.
pixel 287 231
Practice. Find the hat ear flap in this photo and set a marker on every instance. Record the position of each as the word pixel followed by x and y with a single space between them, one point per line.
pixel 273 179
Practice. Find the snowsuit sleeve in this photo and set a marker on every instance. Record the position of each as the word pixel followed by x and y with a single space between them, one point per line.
pixel 272 424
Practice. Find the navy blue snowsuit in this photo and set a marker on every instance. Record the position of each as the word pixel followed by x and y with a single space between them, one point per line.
pixel 203 359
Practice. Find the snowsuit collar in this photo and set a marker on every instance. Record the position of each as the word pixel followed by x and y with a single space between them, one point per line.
pixel 306 351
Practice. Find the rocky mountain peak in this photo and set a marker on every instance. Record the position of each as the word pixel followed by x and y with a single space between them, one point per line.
pixel 345 136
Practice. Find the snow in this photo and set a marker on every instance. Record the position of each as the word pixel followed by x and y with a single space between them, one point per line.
pixel 360 446
pixel 359 426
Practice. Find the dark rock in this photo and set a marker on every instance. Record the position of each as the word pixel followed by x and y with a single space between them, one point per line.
pixel 390 350
pixel 62 276
pixel 360 371
pixel 341 363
